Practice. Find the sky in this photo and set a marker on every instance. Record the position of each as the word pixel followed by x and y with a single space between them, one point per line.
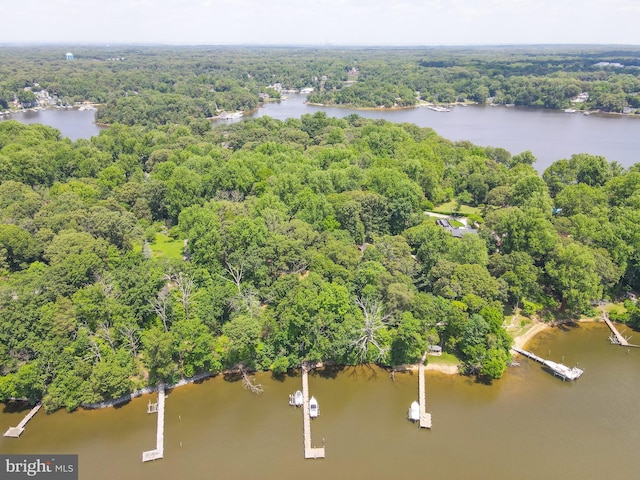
pixel 321 22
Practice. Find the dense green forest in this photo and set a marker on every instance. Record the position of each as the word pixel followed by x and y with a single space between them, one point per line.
pixel 163 85
pixel 149 254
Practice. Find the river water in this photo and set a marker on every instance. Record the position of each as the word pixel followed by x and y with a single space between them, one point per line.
pixel 528 425
pixel 551 135
pixel 72 123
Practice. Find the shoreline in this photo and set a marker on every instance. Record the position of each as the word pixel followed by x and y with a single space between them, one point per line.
pixel 351 107
pixel 443 368
pixel 519 341
pixel 429 104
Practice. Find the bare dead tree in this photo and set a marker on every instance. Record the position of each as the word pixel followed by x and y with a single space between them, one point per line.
pixel 298 266
pixel 104 332
pixel 160 305
pixel 185 285
pixel 108 288
pixel 246 301
pixel 374 320
pixel 235 271
pixel 130 334
pixel 248 382
pixel 230 195
pixel 94 350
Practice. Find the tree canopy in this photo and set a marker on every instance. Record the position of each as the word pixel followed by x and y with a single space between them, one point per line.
pixel 154 253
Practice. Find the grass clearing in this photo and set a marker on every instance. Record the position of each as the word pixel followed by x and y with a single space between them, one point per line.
pixel 449 208
pixel 166 247
pixel 610 307
pixel 444 359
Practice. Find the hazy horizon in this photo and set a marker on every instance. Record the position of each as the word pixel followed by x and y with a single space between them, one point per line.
pixel 365 23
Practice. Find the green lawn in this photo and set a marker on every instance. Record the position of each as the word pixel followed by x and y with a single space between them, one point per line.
pixel 165 246
pixel 450 208
pixel 618 308
pixel 444 359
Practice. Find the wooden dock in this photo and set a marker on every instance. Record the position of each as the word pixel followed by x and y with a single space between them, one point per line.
pixel 159 450
pixel 616 337
pixel 309 451
pixel 15 432
pixel 425 418
pixel 557 369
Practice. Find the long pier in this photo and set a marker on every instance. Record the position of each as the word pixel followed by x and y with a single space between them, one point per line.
pixel 425 418
pixel 15 432
pixel 616 337
pixel 309 451
pixel 558 369
pixel 158 453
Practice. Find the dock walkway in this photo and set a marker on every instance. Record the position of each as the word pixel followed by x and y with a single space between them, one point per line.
pixel 558 369
pixel 309 451
pixel 425 418
pixel 616 337
pixel 15 432
pixel 159 450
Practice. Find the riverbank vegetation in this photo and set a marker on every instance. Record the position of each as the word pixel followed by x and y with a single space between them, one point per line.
pixel 148 254
pixel 154 86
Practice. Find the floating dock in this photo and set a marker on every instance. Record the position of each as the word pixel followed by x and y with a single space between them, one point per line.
pixel 159 409
pixel 425 418
pixel 616 337
pixel 15 432
pixel 309 451
pixel 558 369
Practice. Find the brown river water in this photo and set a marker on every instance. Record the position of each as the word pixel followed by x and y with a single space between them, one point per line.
pixel 528 425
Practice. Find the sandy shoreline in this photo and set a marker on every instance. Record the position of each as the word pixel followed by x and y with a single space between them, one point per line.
pixel 521 340
pixel 443 368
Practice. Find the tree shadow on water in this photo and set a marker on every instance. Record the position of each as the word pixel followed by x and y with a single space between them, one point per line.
pixel 568 325
pixel 232 377
pixel 329 371
pixel 364 369
pixel 16 406
pixel 282 376
pixel 483 380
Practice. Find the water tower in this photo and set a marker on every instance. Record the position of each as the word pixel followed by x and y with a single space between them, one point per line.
pixel 69 57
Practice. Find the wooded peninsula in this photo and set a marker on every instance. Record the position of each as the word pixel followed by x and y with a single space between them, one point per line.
pixel 140 85
pixel 166 247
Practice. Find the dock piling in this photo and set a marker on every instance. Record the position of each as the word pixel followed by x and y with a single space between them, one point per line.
pixel 158 453
pixel 15 432
pixel 425 418
pixel 558 369
pixel 616 337
pixel 309 451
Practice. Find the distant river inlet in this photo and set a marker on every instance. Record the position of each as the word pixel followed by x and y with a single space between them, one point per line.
pixel 551 135
pixel 528 425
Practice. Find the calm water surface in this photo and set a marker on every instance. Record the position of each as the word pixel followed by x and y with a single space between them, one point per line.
pixel 549 134
pixel 74 124
pixel 529 425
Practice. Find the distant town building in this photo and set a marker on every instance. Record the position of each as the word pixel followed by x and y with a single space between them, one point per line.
pixel 69 57
pixel 608 64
